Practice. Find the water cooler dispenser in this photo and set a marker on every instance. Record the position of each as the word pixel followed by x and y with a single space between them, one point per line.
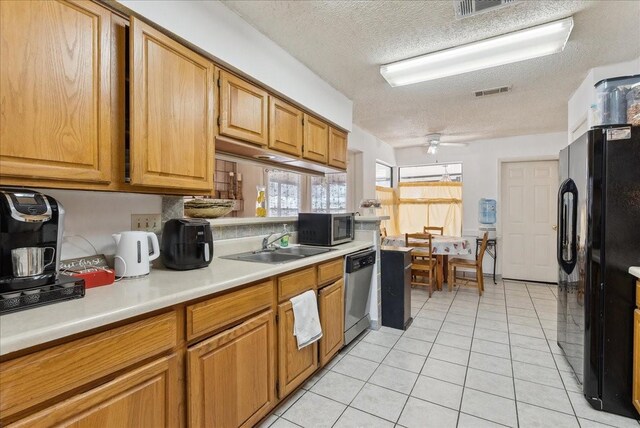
pixel 487 217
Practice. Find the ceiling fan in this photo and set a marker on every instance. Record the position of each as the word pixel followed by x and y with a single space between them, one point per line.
pixel 433 143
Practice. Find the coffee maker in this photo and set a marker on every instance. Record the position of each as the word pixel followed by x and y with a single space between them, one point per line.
pixel 31 228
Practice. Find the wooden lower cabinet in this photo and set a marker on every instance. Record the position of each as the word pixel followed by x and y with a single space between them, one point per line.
pixel 636 359
pixel 331 305
pixel 146 397
pixel 295 366
pixel 231 376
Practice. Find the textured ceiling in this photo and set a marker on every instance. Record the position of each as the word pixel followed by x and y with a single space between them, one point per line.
pixel 345 42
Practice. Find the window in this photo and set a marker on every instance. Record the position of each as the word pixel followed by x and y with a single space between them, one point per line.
pixel 384 175
pixel 329 193
pixel 283 193
pixel 434 172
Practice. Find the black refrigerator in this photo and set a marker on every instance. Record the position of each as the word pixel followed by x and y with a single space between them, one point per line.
pixel 598 240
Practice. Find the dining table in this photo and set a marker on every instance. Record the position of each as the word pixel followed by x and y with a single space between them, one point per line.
pixel 442 246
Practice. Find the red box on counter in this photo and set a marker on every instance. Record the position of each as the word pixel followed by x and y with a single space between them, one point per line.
pixel 93 269
pixel 95 277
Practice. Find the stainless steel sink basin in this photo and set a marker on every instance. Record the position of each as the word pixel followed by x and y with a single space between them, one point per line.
pixel 303 251
pixel 281 255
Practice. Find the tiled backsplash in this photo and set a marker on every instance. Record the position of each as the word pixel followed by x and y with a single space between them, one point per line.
pixel 246 230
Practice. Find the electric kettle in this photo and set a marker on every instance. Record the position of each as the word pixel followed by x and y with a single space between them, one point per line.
pixel 132 253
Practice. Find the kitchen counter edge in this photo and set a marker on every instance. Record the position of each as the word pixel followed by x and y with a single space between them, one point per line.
pixel 161 289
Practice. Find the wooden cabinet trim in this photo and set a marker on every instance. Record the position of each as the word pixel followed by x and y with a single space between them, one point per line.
pixel 161 377
pixel 228 126
pixel 285 136
pixel 89 126
pixel 297 282
pixel 149 165
pixel 203 413
pixel 636 359
pixel 35 378
pixel 218 312
pixel 330 271
pixel 331 307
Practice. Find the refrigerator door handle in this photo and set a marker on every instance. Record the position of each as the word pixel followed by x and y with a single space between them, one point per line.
pixel 567 220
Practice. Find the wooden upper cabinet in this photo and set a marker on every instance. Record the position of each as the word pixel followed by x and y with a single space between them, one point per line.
pixel 55 91
pixel 172 112
pixel 316 139
pixel 243 110
pixel 294 365
pixel 285 127
pixel 331 306
pixel 338 149
pixel 231 376
pixel 146 397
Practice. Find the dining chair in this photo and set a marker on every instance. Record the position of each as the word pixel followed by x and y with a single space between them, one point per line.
pixel 423 264
pixel 429 229
pixel 469 264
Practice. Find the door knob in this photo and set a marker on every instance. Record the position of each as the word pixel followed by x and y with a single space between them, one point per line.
pixel 554 227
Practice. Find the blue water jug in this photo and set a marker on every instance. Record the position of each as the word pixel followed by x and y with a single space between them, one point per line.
pixel 487 211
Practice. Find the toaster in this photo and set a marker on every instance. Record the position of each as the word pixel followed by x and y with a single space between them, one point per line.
pixel 187 243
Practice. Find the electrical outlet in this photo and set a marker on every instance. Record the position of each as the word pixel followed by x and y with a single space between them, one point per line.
pixel 146 222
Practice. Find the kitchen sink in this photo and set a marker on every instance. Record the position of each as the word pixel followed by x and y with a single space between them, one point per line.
pixel 303 251
pixel 280 255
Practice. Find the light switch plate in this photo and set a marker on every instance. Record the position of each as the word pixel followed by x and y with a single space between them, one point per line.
pixel 147 222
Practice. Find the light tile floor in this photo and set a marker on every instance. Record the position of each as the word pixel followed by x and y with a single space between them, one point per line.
pixel 465 361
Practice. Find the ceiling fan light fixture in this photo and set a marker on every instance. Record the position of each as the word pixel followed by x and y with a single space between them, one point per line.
pixel 533 42
pixel 433 148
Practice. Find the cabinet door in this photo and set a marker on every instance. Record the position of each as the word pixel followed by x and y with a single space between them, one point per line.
pixel 231 376
pixel 331 301
pixel 338 149
pixel 295 366
pixel 285 127
pixel 636 359
pixel 145 397
pixel 55 91
pixel 243 109
pixel 172 117
pixel 316 139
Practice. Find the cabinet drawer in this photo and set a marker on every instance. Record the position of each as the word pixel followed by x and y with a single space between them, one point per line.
pixel 137 398
pixel 218 312
pixel 330 271
pixel 295 283
pixel 37 377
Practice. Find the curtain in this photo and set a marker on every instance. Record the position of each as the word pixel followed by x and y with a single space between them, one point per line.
pixel 430 204
pixel 389 202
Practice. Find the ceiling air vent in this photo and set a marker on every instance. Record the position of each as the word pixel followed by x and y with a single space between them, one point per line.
pixel 492 91
pixel 466 8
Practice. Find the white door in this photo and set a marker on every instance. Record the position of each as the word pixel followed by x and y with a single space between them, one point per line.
pixel 528 199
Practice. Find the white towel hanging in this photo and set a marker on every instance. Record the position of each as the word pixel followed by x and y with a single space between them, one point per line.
pixel 306 320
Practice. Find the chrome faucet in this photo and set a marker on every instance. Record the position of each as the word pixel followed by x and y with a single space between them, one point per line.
pixel 266 243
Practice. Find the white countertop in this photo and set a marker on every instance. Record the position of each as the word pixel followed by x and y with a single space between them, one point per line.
pixel 635 271
pixel 128 298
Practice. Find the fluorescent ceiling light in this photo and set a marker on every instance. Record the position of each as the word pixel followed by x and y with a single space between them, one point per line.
pixel 525 44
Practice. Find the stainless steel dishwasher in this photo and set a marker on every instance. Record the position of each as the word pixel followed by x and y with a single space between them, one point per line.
pixel 357 289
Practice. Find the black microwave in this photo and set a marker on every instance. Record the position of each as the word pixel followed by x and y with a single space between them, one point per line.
pixel 325 229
